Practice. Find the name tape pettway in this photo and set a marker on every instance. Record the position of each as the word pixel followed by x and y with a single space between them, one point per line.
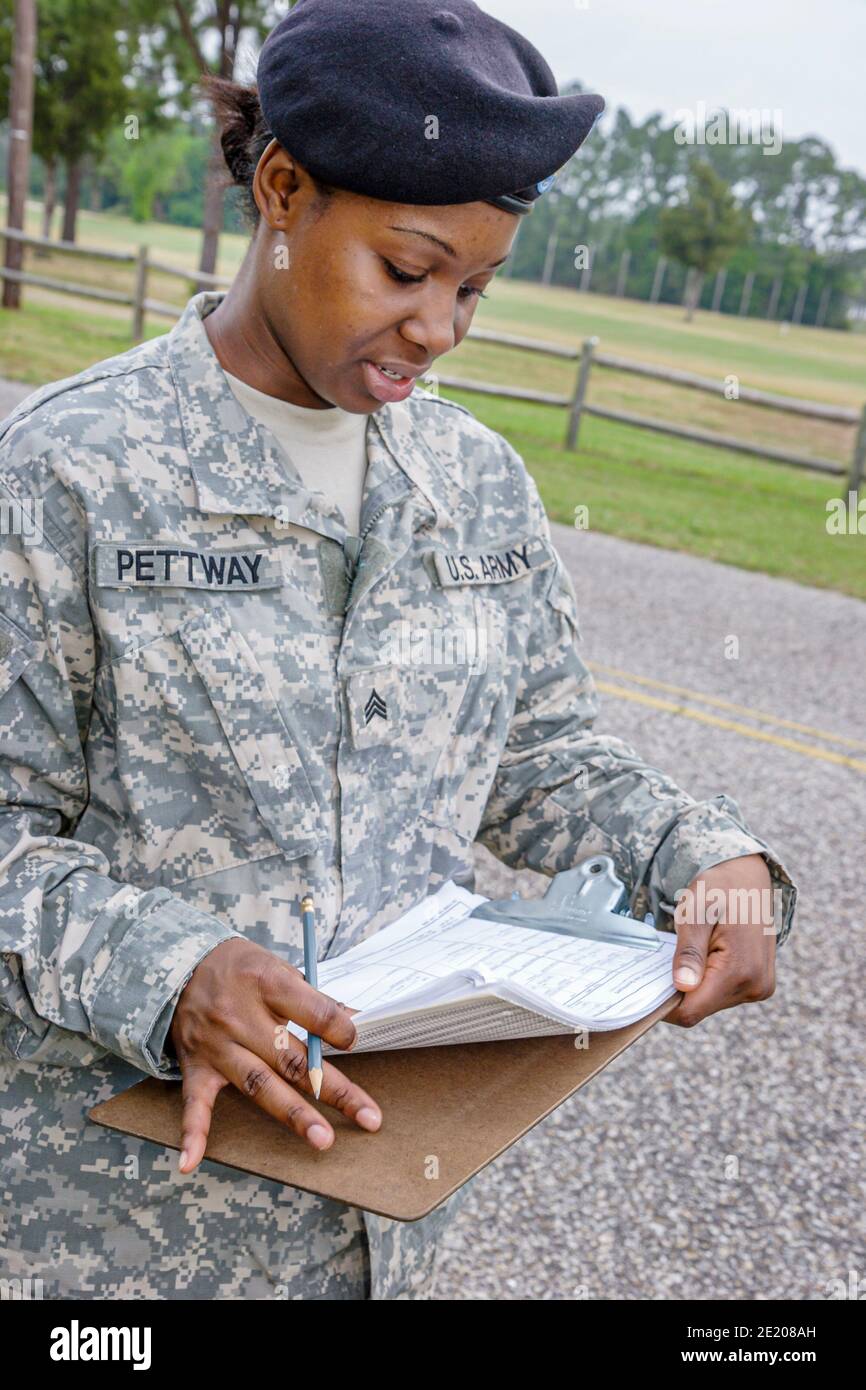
pixel 157 564
pixel 496 566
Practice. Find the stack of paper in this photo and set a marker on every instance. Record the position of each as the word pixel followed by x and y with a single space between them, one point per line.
pixel 438 976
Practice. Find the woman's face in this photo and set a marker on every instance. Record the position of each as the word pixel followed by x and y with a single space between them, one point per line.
pixel 349 286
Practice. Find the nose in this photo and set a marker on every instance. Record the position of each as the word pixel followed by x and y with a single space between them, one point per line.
pixel 431 326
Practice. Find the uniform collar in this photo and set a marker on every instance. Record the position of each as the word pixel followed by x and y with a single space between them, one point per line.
pixel 239 467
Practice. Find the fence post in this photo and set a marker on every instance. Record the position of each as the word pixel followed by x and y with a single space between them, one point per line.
pixel 586 273
pixel 746 296
pixel 139 294
pixel 858 460
pixel 658 280
pixel 589 346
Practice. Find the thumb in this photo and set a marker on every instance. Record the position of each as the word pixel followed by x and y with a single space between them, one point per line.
pixel 690 957
pixel 693 939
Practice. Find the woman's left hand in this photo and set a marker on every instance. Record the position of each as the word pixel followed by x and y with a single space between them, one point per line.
pixel 726 947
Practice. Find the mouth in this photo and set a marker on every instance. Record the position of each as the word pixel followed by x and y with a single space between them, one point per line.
pixel 386 382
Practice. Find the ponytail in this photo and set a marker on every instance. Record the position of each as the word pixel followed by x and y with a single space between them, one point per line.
pixel 244 136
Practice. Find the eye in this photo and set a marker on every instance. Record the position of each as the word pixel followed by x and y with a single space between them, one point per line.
pixel 465 292
pixel 400 275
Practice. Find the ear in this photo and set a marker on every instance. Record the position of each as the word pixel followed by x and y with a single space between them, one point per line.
pixel 277 178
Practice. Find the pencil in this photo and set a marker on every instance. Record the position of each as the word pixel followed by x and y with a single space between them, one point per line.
pixel 314 1043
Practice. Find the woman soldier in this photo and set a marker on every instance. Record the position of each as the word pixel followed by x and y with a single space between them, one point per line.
pixel 209 697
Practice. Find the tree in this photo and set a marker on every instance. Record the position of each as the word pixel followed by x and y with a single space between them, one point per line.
pixel 21 121
pixel 184 36
pixel 145 170
pixel 704 229
pixel 79 90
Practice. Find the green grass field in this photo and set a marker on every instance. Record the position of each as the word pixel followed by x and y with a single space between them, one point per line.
pixel 636 484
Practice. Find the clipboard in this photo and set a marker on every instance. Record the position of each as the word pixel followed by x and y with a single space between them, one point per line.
pixel 447 1113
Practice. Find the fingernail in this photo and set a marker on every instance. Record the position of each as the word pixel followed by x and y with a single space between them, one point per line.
pixel 182 1161
pixel 318 1135
pixel 686 977
pixel 370 1119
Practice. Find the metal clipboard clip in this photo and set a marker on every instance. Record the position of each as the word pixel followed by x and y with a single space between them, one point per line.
pixel 587 901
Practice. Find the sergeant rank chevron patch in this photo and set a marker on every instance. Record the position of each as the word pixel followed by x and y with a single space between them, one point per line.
pixel 375 705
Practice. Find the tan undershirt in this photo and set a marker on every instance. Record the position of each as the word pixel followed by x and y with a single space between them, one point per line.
pixel 328 447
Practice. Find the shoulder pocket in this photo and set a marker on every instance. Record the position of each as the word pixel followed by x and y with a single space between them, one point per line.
pixel 17 652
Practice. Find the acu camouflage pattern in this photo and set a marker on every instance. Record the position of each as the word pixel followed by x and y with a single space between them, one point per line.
pixel 181 760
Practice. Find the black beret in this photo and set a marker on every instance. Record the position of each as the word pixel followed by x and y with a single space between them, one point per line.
pixel 418 102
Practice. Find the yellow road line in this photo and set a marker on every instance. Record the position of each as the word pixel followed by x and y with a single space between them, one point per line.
pixel 727 704
pixel 655 703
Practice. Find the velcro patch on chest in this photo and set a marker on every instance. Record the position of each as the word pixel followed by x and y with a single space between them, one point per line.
pixel 498 565
pixel 158 564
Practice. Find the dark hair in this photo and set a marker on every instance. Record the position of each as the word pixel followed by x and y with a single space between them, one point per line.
pixel 244 136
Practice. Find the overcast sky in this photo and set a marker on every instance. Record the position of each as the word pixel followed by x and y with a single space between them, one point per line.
pixel 806 58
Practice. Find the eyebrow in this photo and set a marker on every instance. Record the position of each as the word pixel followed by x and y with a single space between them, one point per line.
pixel 448 249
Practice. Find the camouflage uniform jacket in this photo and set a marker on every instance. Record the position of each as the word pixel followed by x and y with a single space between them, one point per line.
pixel 205 710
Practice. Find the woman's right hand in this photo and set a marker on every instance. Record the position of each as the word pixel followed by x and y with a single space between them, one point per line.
pixel 229 1027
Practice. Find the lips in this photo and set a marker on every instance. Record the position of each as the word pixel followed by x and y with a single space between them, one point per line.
pixel 387 388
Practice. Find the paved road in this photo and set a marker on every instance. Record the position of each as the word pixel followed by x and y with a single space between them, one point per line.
pixel 724 1161
pixel 727 1160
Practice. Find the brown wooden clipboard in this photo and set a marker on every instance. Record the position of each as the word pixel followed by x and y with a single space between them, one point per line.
pixel 447 1113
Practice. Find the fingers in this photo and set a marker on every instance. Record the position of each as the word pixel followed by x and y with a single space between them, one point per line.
pixel 287 994
pixel 277 1046
pixel 260 1082
pixel 201 1086
pixel 269 1087
pixel 351 1100
pixel 291 1062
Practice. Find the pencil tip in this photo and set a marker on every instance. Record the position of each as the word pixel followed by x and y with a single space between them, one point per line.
pixel 316 1074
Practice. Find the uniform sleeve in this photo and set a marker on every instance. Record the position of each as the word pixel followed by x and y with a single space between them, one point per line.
pixel 563 791
pixel 88 964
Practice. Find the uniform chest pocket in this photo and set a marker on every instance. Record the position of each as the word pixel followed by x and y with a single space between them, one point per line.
pixel 431 723
pixel 209 772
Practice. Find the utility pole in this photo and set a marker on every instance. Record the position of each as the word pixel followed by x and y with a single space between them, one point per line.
pixel 20 139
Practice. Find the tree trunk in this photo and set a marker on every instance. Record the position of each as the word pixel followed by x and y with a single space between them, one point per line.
pixel 775 291
pixel 214 194
pixel 694 284
pixel 20 140
pixel 658 279
pixel 49 197
pixel 550 254
pixel 746 296
pixel 213 208
pixel 622 275
pixel 70 206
